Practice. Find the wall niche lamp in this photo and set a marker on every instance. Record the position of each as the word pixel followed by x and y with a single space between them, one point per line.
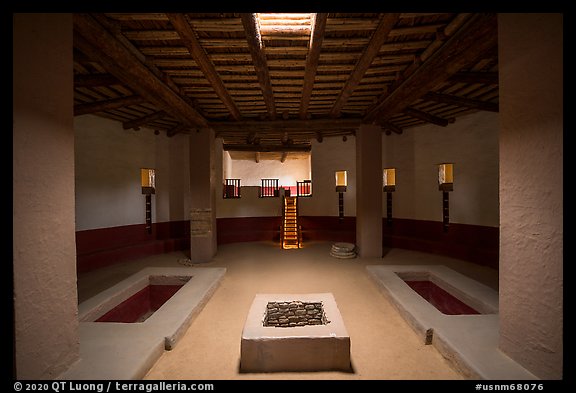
pixel 341 183
pixel 389 179
pixel 445 184
pixel 148 181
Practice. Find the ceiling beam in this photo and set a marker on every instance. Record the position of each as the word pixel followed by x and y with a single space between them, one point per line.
pixel 257 157
pixel 181 24
pixel 266 148
pixel 385 25
pixel 312 60
pixel 489 78
pixel 285 125
pixel 100 106
pixel 95 80
pixel 283 157
pixel 252 29
pixel 176 129
pixel 427 117
pixel 467 45
pixel 136 123
pixel 461 101
pixel 115 28
pixel 391 127
pixel 98 43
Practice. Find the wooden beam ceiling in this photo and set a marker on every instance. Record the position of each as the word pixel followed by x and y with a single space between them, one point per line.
pixel 327 75
pixel 136 123
pixel 378 37
pixel 427 117
pixel 267 148
pixel 281 126
pixel 188 37
pixel 467 45
pixel 390 127
pixel 93 80
pixel 461 101
pixel 312 59
pixel 490 78
pixel 96 42
pixel 252 29
pixel 101 106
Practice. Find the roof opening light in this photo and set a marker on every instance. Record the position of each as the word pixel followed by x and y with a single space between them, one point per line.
pixel 285 24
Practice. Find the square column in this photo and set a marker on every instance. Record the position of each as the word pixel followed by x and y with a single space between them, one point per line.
pixel 530 53
pixel 369 191
pixel 44 239
pixel 203 244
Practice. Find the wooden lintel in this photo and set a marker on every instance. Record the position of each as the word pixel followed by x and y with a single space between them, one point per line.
pixel 427 117
pixel 461 101
pixel 100 106
pixel 252 30
pixel 136 123
pixel 175 130
pixel 489 78
pixel 94 80
pixel 250 138
pixel 294 124
pixel 467 45
pixel 188 38
pixel 266 148
pixel 386 125
pixel 91 38
pixel 385 25
pixel 312 60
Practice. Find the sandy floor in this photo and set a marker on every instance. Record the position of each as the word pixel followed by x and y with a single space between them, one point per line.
pixel 383 346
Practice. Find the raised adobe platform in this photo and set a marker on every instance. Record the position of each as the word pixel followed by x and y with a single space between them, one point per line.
pixel 128 349
pixel 318 343
pixel 469 341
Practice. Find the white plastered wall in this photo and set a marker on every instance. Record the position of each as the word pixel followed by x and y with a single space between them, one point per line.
pixel 332 155
pixel 287 172
pixel 108 162
pixel 471 143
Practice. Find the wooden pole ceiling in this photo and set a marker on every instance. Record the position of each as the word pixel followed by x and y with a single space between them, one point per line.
pixel 188 37
pixel 312 59
pixel 259 85
pixel 100 106
pixel 468 44
pixel 252 29
pixel 378 37
pixel 96 42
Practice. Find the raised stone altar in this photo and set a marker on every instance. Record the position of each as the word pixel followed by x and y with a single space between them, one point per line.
pixel 294 332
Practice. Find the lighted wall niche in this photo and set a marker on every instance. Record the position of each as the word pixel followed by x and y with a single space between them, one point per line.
pixel 148 183
pixel 389 180
pixel 445 184
pixel 341 184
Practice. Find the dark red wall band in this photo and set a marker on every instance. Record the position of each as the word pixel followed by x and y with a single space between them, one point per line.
pixel 97 248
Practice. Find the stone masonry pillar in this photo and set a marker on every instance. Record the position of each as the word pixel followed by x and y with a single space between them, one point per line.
pixel 369 191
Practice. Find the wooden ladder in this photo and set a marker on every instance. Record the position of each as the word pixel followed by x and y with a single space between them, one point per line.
pixel 290 229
